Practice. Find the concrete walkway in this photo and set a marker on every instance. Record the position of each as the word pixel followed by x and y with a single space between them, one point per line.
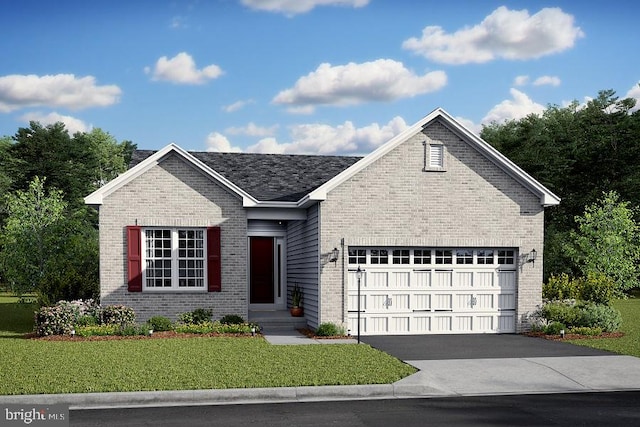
pixel 436 378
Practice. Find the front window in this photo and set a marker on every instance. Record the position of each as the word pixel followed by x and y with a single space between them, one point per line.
pixel 174 259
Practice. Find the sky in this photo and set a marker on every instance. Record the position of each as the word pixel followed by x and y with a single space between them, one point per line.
pixel 332 77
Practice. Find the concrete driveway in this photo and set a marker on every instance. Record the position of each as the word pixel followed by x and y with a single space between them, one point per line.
pixel 505 364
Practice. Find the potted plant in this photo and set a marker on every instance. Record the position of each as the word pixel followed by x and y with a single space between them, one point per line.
pixel 296 301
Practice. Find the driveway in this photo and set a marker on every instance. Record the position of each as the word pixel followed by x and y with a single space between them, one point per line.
pixel 505 364
pixel 475 346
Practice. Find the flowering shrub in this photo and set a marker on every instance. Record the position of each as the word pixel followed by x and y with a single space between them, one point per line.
pixel 197 316
pixel 576 314
pixel 118 315
pixel 61 318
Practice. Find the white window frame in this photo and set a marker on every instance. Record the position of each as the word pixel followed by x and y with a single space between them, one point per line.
pixel 175 269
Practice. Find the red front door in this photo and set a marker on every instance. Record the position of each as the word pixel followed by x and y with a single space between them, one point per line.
pixel 261 270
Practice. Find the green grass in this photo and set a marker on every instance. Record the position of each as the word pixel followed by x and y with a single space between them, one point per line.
pixel 37 366
pixel 629 344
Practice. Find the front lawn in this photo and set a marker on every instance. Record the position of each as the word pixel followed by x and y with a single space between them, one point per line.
pixel 629 344
pixel 32 366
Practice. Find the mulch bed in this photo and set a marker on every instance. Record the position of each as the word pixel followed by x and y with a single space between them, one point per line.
pixel 573 336
pixel 155 335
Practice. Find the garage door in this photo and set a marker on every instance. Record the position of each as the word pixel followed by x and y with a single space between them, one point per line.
pixel 432 290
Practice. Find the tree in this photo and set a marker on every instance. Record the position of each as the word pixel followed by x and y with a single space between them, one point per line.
pixel 607 241
pixel 31 236
pixel 47 249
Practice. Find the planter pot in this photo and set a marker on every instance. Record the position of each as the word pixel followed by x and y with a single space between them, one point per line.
pixel 296 311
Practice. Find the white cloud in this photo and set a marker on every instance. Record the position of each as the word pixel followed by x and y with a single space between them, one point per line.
pixel 547 80
pixel 72 124
pixel 325 139
pixel 521 80
pixel 182 69
pixel 219 143
pixel 238 105
pixel 513 109
pixel 469 124
pixel 634 93
pixel 60 90
pixel 294 7
pixel 252 130
pixel 507 34
pixel 380 80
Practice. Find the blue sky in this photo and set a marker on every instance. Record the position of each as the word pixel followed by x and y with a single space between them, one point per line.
pixel 303 76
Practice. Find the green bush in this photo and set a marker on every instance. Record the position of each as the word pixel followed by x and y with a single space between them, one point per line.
pixel 160 324
pixel 131 329
pixel 195 328
pixel 118 315
pixel 585 330
pixel 580 314
pixel 561 287
pixel 598 288
pixel 329 329
pixel 61 318
pixel 599 316
pixel 97 330
pixel 554 328
pixel 231 319
pixel 197 316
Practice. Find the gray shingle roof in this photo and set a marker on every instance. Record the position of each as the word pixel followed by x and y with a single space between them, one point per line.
pixel 270 177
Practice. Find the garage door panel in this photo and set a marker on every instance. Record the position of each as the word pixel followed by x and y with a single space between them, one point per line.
pixel 464 279
pixel 442 279
pixel 507 302
pixel 484 301
pixel 400 279
pixel 401 301
pixel 442 302
pixel 464 301
pixel 442 324
pixel 422 302
pixel 399 324
pixel 484 279
pixel 422 278
pixel 507 279
pixel 377 279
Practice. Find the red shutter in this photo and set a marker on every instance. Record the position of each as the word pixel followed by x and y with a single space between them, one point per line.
pixel 214 265
pixel 134 258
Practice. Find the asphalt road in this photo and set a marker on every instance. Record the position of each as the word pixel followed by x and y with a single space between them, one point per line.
pixel 581 409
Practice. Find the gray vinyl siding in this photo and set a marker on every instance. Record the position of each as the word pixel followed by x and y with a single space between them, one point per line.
pixel 302 262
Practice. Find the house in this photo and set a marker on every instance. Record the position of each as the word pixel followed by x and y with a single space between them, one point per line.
pixel 447 234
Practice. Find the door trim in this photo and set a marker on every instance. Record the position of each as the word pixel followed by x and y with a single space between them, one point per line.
pixel 279 271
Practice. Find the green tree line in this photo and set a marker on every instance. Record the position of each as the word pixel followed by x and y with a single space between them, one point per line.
pixel 48 236
pixel 589 155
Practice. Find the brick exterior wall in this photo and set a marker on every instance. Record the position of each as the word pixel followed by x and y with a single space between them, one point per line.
pixel 174 194
pixel 393 202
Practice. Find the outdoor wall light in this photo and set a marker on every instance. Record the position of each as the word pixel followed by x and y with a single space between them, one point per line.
pixel 531 256
pixel 334 255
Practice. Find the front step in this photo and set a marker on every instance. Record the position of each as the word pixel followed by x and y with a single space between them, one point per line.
pixel 277 320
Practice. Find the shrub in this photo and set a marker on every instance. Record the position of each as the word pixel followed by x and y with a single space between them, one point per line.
pixel 600 316
pixel 554 328
pixel 96 330
pixel 580 314
pixel 55 320
pixel 585 330
pixel 195 328
pixel 61 318
pixel 598 288
pixel 160 324
pixel 131 329
pixel 118 315
pixel 329 329
pixel 197 316
pixel 231 319
pixel 560 287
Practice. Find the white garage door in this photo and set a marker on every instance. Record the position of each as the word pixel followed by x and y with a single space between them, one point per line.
pixel 432 290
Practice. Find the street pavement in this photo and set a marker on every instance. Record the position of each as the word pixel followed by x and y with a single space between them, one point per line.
pixel 449 365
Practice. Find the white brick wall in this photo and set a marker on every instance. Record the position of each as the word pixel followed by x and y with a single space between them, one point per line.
pixel 172 194
pixel 392 202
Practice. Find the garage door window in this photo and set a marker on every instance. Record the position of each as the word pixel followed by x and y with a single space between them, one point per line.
pixel 422 256
pixel 401 256
pixel 444 257
pixel 357 256
pixel 379 256
pixel 464 256
pixel 506 257
pixel 485 257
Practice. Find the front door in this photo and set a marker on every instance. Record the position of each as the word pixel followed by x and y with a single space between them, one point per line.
pixel 261 270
